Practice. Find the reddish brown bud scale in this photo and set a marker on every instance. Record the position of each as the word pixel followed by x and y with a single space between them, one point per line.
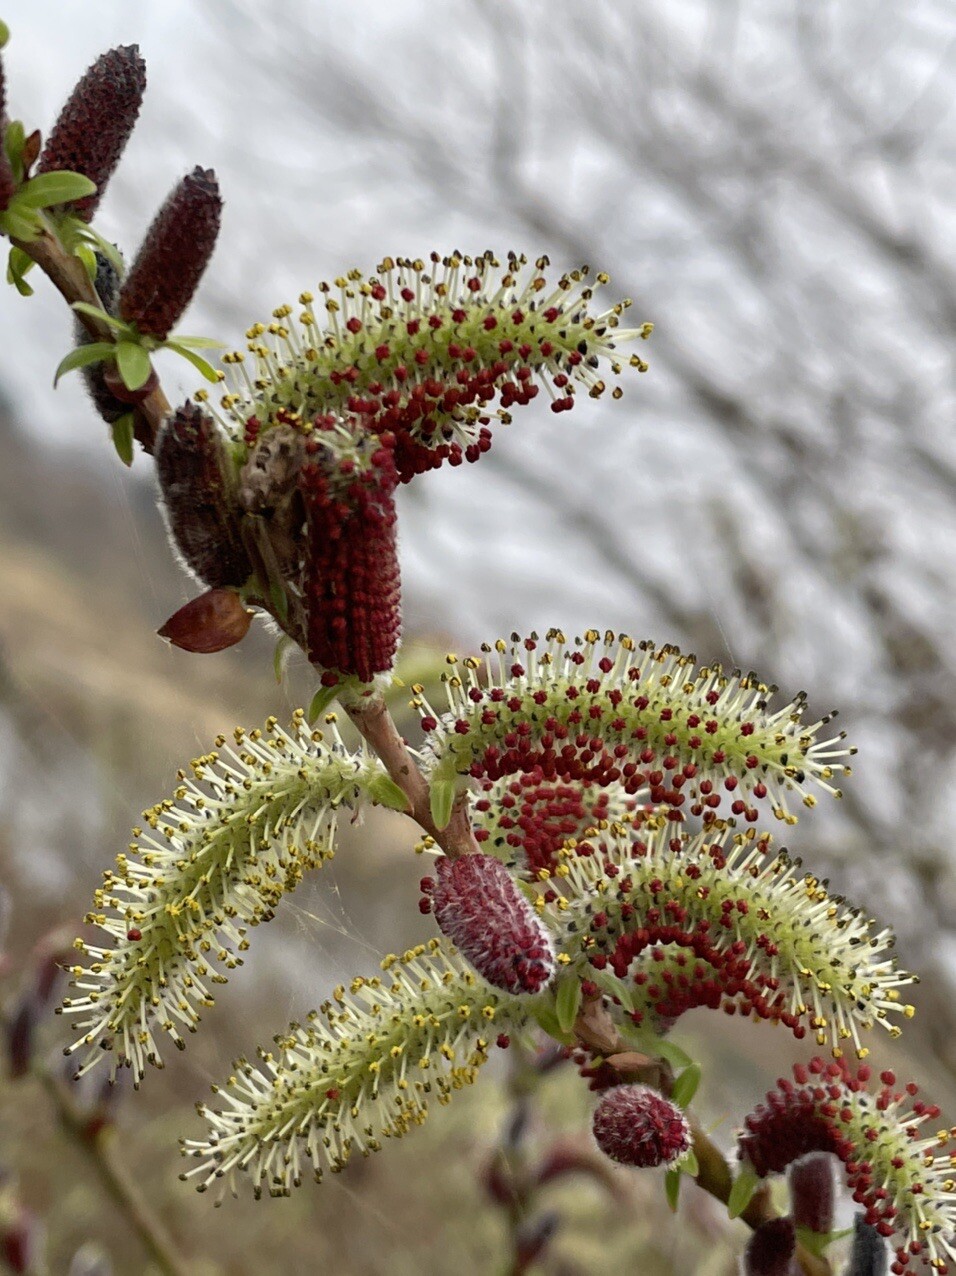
pixel 198 496
pixel 210 623
pixel 635 1125
pixel 173 256
pixel 352 580
pixel 478 905
pixel 771 1249
pixel 94 126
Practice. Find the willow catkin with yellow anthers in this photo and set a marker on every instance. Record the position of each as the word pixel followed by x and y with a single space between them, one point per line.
pixel 362 1069
pixel 605 710
pixel 238 833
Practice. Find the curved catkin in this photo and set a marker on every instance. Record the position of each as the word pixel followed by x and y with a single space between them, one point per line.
pixel 606 710
pixel 197 483
pixel 94 126
pixel 665 924
pixel 362 1069
pixel 239 832
pixel 902 1178
pixel 173 256
pixel 422 352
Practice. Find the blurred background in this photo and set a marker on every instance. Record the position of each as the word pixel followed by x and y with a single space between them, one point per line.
pixel 774 184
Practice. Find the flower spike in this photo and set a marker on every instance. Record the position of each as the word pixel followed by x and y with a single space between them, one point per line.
pixel 173 256
pixel 636 1125
pixel 361 1070
pixel 198 484
pixel 421 351
pixel 479 907
pixel 612 711
pixel 94 126
pixel 216 858
pixel 665 924
pixel 904 1181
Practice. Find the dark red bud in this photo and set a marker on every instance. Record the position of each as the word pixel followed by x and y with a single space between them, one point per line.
pixel 812 1190
pixel 771 1249
pixel 95 124
pixel 198 489
pixel 173 256
pixel 117 388
pixel 212 622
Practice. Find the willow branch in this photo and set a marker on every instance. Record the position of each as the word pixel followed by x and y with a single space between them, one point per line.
pixel 375 723
pixel 69 276
pixel 100 1150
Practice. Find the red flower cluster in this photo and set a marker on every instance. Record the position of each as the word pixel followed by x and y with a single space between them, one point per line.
pixel 635 1125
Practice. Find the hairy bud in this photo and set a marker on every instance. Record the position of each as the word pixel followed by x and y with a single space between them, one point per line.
pixel 173 256
pixel 480 908
pixel 812 1189
pixel 212 622
pixel 635 1125
pixel 771 1249
pixel 94 126
pixel 198 493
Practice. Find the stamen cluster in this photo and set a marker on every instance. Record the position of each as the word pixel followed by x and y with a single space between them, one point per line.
pixel 666 923
pixel 239 832
pixel 614 712
pixel 904 1180
pixel 362 1069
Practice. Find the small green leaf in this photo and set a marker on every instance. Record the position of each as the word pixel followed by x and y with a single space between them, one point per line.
pixel 94 352
pixel 383 791
pixel 133 364
pixel 279 655
pixel 685 1087
pixel 279 600
pixel 97 312
pixel 321 701
pixel 21 223
pixel 87 256
pixel 442 800
pixel 817 1243
pixel 48 189
pixel 672 1188
pixel 567 1002
pixel 73 231
pixel 123 438
pixel 201 365
pixel 196 343
pixel 742 1191
pixel 18 263
pixel 4 34
pixel 689 1164
pixel 13 140
pixel 543 1011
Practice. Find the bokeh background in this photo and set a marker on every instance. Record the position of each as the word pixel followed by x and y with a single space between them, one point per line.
pixel 773 183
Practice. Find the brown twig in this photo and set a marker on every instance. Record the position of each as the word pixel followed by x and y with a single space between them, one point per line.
pixel 99 1147
pixel 68 274
pixel 375 723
